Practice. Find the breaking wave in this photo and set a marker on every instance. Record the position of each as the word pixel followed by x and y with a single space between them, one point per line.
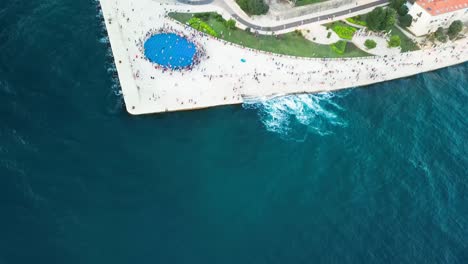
pixel 293 117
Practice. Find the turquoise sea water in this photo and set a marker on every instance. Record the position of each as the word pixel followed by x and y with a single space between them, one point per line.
pixel 370 175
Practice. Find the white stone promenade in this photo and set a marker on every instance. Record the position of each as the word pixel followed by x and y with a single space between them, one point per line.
pixel 221 78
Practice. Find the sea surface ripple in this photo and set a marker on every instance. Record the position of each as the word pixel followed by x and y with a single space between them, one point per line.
pixel 375 174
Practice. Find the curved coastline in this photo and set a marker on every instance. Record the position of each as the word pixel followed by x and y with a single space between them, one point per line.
pixel 221 79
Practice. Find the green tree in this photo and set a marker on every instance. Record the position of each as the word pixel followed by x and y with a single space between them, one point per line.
pixel 374 19
pixel 396 4
pixel 455 28
pixel 381 19
pixel 399 6
pixel 370 44
pixel 440 35
pixel 390 18
pixel 406 20
pixel 230 24
pixel 394 41
pixel 403 10
pixel 253 7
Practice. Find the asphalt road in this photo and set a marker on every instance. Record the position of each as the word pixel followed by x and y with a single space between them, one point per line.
pixel 309 20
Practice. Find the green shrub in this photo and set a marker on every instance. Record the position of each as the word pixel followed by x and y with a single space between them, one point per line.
pixel 394 41
pixel 344 31
pixel 199 25
pixel 339 47
pixel 298 32
pixel 370 44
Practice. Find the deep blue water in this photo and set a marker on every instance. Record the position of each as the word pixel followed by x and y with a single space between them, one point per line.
pixel 170 50
pixel 369 175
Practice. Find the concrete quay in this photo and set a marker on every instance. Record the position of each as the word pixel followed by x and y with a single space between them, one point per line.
pixel 222 79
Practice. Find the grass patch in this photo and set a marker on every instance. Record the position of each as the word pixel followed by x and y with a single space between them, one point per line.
pixel 292 43
pixel 343 30
pixel 339 47
pixel 307 2
pixel 406 43
pixel 358 20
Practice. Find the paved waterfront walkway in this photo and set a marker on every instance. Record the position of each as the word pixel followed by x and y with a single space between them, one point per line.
pixel 228 73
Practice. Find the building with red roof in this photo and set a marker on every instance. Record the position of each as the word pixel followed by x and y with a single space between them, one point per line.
pixel 428 15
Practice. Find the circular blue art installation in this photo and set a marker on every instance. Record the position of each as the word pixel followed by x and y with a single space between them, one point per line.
pixel 170 50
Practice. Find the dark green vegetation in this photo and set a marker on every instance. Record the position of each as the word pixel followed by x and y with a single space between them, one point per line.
pixel 402 10
pixel 399 6
pixel 339 47
pixel 404 18
pixel 381 19
pixel 307 2
pixel 452 32
pixel 454 29
pixel 440 35
pixel 289 44
pixel 370 44
pixel 343 30
pixel 394 41
pixel 253 7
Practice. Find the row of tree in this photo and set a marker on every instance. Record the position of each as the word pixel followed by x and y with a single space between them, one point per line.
pixel 381 19
pixel 452 32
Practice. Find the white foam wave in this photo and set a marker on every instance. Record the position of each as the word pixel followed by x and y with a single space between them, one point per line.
pixel 295 116
pixel 104 40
